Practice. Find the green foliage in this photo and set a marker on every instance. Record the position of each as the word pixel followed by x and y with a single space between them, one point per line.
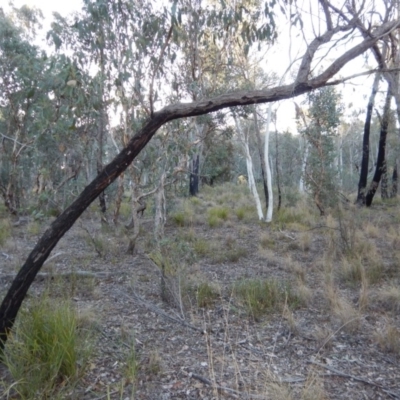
pixel 205 295
pixel 321 174
pixel 216 216
pixel 292 215
pixel 218 163
pixel 132 364
pixel 47 351
pixel 263 296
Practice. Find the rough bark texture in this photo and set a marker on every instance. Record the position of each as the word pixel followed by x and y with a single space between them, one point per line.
pixel 194 176
pixel 394 182
pixel 380 162
pixel 362 184
pixel 262 158
pixel 20 286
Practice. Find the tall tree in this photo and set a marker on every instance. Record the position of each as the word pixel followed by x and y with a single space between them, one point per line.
pixel 381 158
pixel 362 184
pixel 321 174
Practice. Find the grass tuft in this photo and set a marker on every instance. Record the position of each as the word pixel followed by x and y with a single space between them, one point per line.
pixel 5 230
pixel 260 297
pixel 389 339
pixel 47 351
pixel 206 295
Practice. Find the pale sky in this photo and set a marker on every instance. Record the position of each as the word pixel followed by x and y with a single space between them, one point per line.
pixel 49 6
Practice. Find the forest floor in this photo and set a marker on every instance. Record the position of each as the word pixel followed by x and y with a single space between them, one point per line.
pixel 336 334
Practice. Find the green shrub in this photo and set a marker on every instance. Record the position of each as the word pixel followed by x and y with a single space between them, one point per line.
pixel 205 295
pixel 240 213
pixel 179 218
pixel 216 216
pixel 202 247
pixel 47 351
pixel 5 230
pixel 219 212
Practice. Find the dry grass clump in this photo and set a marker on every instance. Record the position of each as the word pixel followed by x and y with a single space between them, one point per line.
pixel 303 292
pixel 348 316
pixel 275 389
pixel 219 250
pixel 5 230
pixel 294 267
pixel 313 388
pixel 185 215
pixel 393 235
pixel 305 240
pixel 286 217
pixel 354 269
pixel 267 241
pixel 389 339
pixel 324 337
pixel 389 297
pixel 371 230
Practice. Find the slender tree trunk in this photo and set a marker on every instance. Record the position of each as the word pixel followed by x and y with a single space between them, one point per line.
pixel 362 184
pixel 303 165
pixel 394 182
pixel 380 163
pixel 278 184
pixel 268 217
pixel 160 217
pixel 384 182
pixel 249 165
pixel 194 176
pixel 262 158
pixel 101 134
pixel 118 201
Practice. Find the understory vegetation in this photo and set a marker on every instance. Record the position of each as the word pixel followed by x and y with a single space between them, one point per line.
pixel 342 269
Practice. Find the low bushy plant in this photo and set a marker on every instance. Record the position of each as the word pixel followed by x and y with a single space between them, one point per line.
pixel 262 296
pixel 47 351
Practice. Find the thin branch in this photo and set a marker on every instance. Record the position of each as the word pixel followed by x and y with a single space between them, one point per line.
pixel 14 140
pixel 356 378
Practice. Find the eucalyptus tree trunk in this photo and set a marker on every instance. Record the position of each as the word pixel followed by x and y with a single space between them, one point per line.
pixel 249 164
pixel 268 217
pixel 262 156
pixel 303 164
pixel 194 175
pixel 394 182
pixel 362 184
pixel 160 205
pixel 101 133
pixel 380 162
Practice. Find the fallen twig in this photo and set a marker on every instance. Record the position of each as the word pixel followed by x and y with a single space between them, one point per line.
pixel 356 378
pixel 53 257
